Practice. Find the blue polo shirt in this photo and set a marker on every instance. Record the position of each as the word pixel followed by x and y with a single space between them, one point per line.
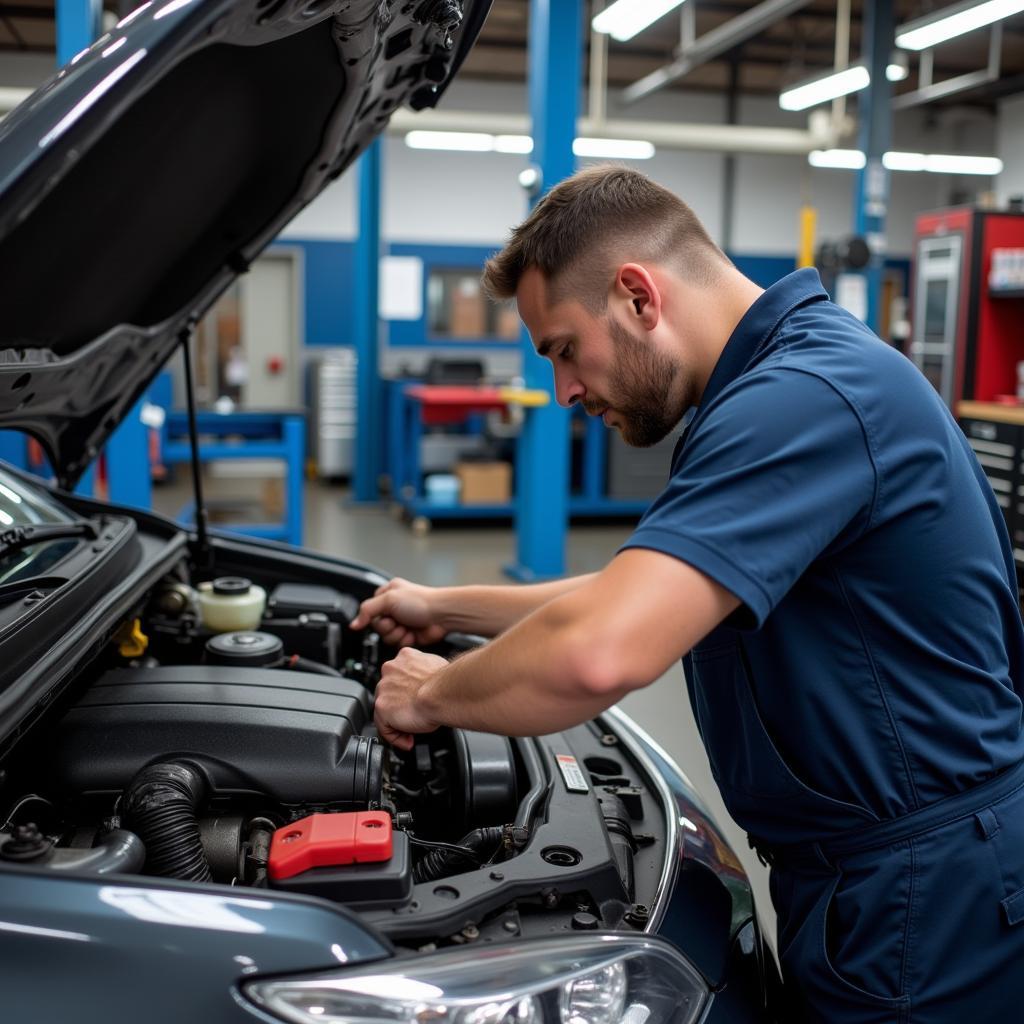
pixel 823 482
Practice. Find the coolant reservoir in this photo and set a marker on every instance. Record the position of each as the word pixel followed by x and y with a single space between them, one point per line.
pixel 230 603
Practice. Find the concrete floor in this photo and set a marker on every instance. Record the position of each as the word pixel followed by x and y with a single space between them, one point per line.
pixel 475 554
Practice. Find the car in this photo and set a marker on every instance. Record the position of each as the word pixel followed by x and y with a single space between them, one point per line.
pixel 198 821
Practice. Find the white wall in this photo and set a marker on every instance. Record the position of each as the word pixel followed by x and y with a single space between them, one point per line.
pixel 332 215
pixel 475 199
pixel 469 198
pixel 1010 149
pixel 26 70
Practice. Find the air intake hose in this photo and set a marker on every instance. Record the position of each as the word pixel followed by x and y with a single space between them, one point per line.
pixel 160 804
pixel 448 860
pixel 117 852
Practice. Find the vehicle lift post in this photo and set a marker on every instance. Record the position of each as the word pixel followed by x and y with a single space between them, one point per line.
pixel 542 452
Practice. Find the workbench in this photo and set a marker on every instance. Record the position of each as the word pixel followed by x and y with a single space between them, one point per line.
pixel 246 435
pixel 412 406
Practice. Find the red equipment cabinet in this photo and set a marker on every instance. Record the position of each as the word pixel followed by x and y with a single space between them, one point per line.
pixel 966 338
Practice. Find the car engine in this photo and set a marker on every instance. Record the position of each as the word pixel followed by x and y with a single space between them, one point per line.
pixel 248 757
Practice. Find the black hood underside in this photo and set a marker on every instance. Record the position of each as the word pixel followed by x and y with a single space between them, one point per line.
pixel 116 237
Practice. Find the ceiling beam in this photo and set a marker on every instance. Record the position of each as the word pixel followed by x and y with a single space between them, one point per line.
pixel 713 44
pixel 12 28
pixel 716 138
pixel 26 12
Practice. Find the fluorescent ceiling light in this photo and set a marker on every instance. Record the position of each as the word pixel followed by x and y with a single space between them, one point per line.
pixel 941 163
pixel 464 142
pixel 847 159
pixel 905 161
pixel 513 144
pixel 828 87
pixel 836 84
pixel 936 163
pixel 625 18
pixel 481 142
pixel 898 67
pixel 623 149
pixel 950 22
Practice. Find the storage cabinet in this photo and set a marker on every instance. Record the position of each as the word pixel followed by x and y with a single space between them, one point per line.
pixel 996 434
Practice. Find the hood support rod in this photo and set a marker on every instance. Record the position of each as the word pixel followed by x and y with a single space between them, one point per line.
pixel 202 540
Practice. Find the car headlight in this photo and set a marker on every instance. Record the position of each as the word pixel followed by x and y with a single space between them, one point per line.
pixel 601 979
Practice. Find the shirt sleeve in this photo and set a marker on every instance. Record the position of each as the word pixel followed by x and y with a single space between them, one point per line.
pixel 777 472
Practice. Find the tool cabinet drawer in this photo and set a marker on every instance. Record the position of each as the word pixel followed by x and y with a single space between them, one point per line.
pixel 998 450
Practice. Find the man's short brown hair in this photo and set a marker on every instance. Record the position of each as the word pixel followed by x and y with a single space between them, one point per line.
pixel 590 224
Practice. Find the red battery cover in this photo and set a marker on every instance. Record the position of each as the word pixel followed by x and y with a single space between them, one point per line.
pixel 328 840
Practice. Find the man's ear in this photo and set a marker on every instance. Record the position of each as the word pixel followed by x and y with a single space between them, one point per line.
pixel 635 284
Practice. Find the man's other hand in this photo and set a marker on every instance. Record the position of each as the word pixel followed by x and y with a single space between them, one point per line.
pixel 397 709
pixel 402 613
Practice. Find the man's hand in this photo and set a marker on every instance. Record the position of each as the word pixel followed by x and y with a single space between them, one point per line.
pixel 402 613
pixel 397 706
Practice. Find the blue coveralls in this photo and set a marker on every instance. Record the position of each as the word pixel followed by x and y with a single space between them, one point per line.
pixel 862 708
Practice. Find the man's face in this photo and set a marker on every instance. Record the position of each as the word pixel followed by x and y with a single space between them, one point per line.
pixel 617 374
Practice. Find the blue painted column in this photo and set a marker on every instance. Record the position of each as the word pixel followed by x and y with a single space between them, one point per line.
pixel 13 448
pixel 129 477
pixel 367 328
pixel 78 24
pixel 542 454
pixel 293 431
pixel 874 135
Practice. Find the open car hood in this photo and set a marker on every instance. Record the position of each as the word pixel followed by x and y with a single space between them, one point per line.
pixel 149 172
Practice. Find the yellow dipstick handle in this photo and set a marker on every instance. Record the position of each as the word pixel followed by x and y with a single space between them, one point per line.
pixel 131 641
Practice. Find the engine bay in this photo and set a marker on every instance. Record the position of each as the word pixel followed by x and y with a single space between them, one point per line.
pixel 236 746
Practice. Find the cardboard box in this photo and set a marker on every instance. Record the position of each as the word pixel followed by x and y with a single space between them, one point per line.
pixel 484 483
pixel 469 312
pixel 509 323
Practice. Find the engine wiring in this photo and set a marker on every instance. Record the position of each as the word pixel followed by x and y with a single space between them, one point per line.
pixel 461 851
pixel 28 798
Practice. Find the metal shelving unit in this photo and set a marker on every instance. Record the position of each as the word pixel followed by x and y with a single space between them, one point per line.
pixel 405 419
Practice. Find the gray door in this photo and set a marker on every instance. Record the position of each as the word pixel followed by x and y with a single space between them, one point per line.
pixel 271 331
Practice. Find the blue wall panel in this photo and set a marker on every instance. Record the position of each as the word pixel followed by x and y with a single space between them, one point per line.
pixel 329 267
pixel 471 257
pixel 764 270
pixel 327 301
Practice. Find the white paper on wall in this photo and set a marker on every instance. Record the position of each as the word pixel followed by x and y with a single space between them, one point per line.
pixel 401 288
pixel 852 294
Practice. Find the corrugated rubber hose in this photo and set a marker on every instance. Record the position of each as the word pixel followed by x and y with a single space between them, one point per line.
pixel 160 804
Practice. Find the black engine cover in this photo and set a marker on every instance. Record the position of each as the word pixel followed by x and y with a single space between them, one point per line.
pixel 293 736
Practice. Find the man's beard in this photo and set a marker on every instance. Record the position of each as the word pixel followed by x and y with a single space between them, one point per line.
pixel 644 397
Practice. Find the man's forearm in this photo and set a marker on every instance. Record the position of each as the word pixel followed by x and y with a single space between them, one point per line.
pixel 490 610
pixel 534 679
pixel 573 657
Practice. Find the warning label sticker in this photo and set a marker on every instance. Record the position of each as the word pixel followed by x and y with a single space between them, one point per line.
pixel 573 777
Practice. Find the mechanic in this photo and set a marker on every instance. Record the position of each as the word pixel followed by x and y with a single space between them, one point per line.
pixel 831 564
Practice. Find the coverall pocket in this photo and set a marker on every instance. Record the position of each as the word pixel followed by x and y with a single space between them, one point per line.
pixel 833 966
pixel 748 767
pixel 1002 827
